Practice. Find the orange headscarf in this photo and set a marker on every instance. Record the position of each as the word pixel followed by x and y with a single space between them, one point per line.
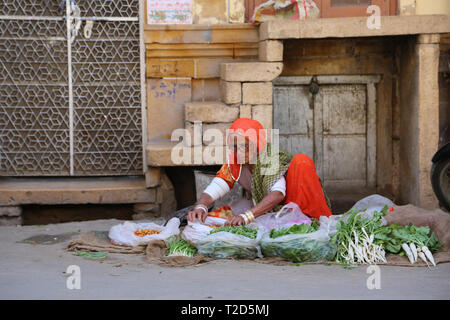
pixel 251 129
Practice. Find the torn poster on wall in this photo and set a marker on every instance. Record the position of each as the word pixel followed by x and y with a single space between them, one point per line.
pixel 169 11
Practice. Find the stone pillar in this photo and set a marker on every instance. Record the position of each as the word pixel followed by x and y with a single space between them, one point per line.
pixel 419 124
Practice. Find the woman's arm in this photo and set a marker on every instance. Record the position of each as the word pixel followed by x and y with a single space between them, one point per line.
pixel 266 204
pixel 215 190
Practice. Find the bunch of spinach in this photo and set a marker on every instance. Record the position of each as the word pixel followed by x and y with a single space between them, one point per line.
pixel 295 229
pixel 393 236
pixel 241 230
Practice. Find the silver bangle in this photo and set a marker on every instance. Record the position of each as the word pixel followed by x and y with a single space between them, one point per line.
pixel 244 217
pixel 201 206
pixel 250 215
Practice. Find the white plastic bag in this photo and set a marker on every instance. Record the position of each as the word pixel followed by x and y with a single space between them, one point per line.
pixel 222 244
pixel 196 230
pixel 314 246
pixel 123 234
pixel 371 204
pixel 289 215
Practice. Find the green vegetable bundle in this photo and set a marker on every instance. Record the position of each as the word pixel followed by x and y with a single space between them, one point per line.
pixel 355 236
pixel 299 243
pixel 241 230
pixel 393 236
pixel 295 229
pixel 181 248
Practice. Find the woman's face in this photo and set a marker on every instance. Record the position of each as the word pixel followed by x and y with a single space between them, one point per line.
pixel 244 149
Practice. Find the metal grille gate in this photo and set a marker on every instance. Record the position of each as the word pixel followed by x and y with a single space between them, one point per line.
pixel 70 107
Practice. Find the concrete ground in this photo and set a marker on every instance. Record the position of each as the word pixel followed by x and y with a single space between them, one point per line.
pixel 38 272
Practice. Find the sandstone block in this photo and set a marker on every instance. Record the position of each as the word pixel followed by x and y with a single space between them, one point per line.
pixel 270 50
pixel 210 111
pixel 250 71
pixel 231 92
pixel 216 132
pixel 263 114
pixel 245 111
pixel 257 93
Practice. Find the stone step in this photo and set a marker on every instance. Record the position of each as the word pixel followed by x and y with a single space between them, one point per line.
pixel 74 190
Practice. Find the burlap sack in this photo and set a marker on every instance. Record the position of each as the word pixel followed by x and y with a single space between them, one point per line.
pixel 156 253
pixel 99 241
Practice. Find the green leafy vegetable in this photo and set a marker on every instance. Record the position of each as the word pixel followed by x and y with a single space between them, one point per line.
pixel 357 237
pixel 300 249
pixel 92 255
pixel 295 229
pixel 241 230
pixel 181 248
pixel 393 236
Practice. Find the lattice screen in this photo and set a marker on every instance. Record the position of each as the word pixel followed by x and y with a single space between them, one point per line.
pixel 42 130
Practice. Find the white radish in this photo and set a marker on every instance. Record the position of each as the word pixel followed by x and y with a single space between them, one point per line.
pixel 350 253
pixel 429 255
pixel 413 250
pixel 408 253
pixel 422 256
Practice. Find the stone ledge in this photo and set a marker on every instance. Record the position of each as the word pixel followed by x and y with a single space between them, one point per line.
pixel 210 111
pixel 250 71
pixel 68 190
pixel 159 154
pixel 353 27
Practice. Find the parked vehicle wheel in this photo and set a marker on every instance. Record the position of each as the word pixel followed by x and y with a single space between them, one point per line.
pixel 440 180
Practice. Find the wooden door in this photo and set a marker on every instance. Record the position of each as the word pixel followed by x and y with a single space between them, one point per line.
pixel 341 135
pixel 335 127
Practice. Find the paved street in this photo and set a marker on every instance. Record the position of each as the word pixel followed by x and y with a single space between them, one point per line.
pixel 37 272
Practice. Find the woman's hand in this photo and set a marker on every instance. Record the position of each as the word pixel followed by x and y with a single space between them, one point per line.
pixel 235 221
pixel 197 214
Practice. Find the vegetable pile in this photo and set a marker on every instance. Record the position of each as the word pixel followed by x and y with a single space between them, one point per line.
pixel 295 229
pixel 241 230
pixel 415 241
pixel 356 239
pixel 223 212
pixel 367 240
pixel 181 248
pixel 146 232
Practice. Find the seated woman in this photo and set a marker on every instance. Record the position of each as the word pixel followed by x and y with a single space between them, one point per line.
pixel 270 179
